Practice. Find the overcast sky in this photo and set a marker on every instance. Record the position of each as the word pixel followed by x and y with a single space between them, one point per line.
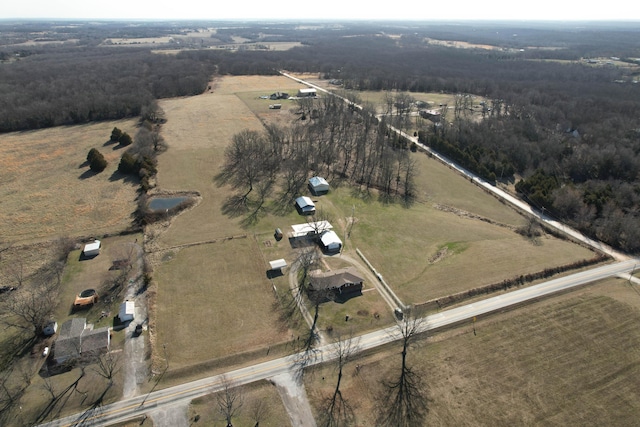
pixel 557 10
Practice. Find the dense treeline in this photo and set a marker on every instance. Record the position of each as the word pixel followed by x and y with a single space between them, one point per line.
pixel 80 85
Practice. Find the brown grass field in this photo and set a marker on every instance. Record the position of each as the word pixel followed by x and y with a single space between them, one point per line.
pixel 399 242
pixel 48 190
pixel 568 360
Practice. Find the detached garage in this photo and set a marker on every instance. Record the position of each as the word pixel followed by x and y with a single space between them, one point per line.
pixel 330 241
pixel 305 206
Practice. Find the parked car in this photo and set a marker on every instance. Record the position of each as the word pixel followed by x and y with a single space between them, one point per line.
pixel 86 298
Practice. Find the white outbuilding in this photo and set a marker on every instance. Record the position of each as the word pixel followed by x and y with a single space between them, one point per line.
pixel 318 185
pixel 92 249
pixel 127 311
pixel 307 93
pixel 277 264
pixel 330 241
pixel 305 206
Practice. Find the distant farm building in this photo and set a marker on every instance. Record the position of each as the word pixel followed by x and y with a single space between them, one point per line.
pixel 318 185
pixel 432 115
pixel 79 340
pixel 343 282
pixel 307 93
pixel 330 242
pixel 305 206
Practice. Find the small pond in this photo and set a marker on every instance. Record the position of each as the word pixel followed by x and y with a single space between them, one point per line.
pixel 164 203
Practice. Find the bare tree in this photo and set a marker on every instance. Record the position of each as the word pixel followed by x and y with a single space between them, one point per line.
pixel 30 307
pixel 259 411
pixel 305 259
pixel 404 398
pixel 229 400
pixel 107 366
pixel 336 410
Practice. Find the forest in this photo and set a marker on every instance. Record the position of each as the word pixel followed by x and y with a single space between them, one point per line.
pixel 564 126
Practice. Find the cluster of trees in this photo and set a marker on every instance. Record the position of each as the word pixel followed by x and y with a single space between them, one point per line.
pixel 120 137
pixel 335 141
pixel 96 160
pixel 140 159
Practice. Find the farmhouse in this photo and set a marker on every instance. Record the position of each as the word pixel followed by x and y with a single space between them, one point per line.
pixel 305 206
pixel 330 241
pixel 307 93
pixel 91 249
pixel 346 281
pixel 79 340
pixel 318 185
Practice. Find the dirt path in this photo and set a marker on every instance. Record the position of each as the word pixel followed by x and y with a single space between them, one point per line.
pixel 171 416
pixel 135 365
pixel 295 400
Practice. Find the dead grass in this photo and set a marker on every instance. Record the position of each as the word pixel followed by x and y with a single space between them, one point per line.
pixel 206 408
pixel 214 301
pixel 48 191
pixel 570 360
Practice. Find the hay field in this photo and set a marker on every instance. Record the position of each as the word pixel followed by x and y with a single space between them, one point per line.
pixel 47 189
pixel 569 360
pixel 215 301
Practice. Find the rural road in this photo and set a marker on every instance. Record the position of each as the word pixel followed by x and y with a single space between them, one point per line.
pixel 180 395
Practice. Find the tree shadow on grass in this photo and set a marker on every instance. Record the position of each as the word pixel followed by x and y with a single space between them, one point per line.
pixel 125 177
pixel 235 206
pixel 87 174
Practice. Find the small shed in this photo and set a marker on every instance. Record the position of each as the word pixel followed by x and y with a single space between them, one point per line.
pixel 330 241
pixel 127 311
pixel 305 206
pixel 318 185
pixel 277 264
pixel 92 249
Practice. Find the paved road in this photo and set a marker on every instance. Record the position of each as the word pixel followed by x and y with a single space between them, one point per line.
pixel 182 394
